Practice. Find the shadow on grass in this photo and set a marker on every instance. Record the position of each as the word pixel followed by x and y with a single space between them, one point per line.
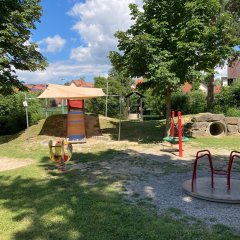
pixel 136 131
pixel 86 205
pixel 152 131
pixel 9 138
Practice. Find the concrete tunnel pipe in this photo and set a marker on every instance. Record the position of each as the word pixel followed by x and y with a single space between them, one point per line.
pixel 216 129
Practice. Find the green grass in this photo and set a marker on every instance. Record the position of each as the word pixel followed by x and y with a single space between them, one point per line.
pixel 67 206
pixel 151 131
pixel 38 203
pixel 230 143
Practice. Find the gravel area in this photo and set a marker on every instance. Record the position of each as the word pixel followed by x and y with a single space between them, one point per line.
pixel 155 175
pixel 166 192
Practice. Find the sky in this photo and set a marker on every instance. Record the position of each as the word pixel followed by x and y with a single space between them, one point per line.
pixel 76 36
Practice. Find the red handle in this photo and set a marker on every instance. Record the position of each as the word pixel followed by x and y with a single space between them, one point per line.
pixel 234 154
pixel 206 152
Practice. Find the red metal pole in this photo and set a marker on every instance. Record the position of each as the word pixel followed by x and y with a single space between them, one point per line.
pixel 180 133
pixel 172 124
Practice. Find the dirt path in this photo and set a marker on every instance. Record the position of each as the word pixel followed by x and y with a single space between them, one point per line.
pixel 12 163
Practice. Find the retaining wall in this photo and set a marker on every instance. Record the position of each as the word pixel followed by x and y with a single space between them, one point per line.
pixel 208 124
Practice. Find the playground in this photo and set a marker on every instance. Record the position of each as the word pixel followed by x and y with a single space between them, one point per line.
pixel 128 189
pixel 119 120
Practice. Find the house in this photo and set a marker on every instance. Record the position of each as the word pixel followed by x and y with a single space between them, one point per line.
pixel 35 88
pixel 81 83
pixel 187 87
pixel 136 83
pixel 233 72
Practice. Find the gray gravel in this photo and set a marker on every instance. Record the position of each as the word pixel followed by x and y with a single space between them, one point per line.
pixel 166 192
pixel 154 175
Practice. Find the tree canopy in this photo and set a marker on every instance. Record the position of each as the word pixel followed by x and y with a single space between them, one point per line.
pixel 172 41
pixel 17 51
pixel 115 85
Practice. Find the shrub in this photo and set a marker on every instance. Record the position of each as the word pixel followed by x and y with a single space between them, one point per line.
pixel 153 104
pixel 117 85
pixel 196 102
pixel 228 100
pixel 233 112
pixel 12 113
pixel 180 102
pixel 189 103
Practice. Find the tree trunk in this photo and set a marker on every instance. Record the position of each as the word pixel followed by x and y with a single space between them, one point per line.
pixel 168 112
pixel 210 93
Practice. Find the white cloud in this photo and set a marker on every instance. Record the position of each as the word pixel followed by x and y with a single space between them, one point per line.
pixel 98 20
pixel 62 70
pixel 81 53
pixel 52 44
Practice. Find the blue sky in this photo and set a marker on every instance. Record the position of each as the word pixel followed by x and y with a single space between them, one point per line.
pixel 76 36
pixel 56 21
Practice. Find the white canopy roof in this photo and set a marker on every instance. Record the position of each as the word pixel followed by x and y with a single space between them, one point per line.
pixel 71 92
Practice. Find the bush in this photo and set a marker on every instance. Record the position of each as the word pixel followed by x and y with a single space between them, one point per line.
pixel 189 103
pixel 12 113
pixel 233 112
pixel 228 100
pixel 180 102
pixel 197 102
pixel 153 104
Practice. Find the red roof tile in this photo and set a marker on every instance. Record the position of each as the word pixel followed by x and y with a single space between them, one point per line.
pixel 187 87
pixel 138 81
pixel 35 87
pixel 217 89
pixel 82 83
pixel 39 87
pixel 234 70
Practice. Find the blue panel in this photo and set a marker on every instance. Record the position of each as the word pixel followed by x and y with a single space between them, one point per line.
pixel 76 137
pixel 76 112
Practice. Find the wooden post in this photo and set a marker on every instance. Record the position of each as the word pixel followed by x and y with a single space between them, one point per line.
pixel 172 124
pixel 106 105
pixel 25 104
pixel 141 109
pixel 180 133
pixel 128 111
pixel 121 99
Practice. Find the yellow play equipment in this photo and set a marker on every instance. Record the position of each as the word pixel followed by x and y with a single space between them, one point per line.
pixel 60 153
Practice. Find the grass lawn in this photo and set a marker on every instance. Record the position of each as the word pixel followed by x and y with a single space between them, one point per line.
pixel 230 143
pixel 36 203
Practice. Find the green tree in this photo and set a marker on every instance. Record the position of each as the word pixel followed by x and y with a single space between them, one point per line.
pixel 171 42
pixel 118 85
pixel 228 98
pixel 12 112
pixel 233 6
pixel 17 19
pixel 218 41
